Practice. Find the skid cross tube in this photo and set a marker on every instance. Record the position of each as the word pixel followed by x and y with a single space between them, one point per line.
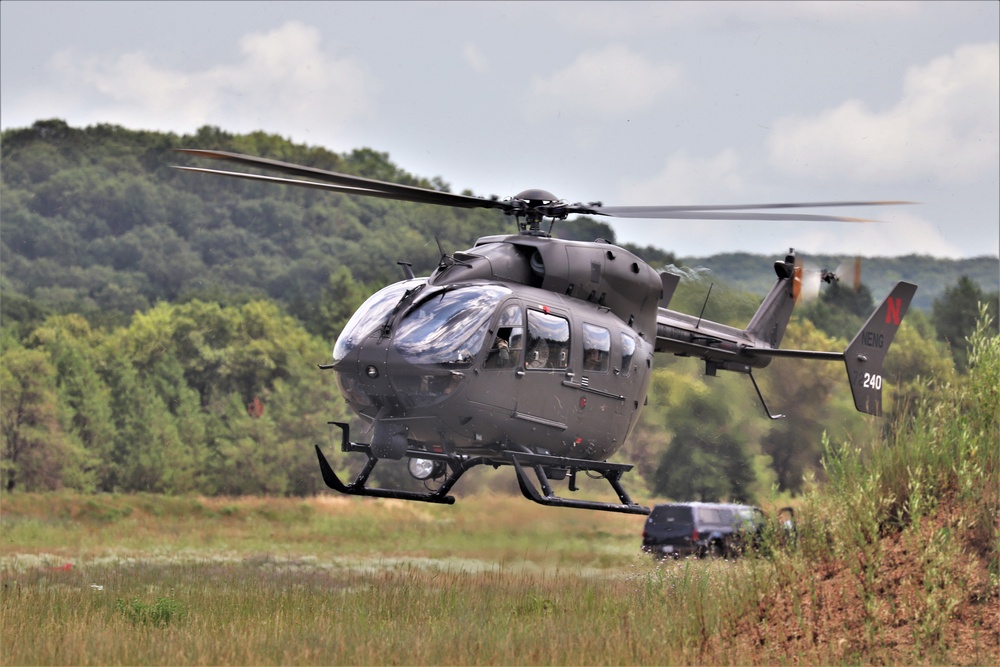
pixel 609 471
pixel 458 465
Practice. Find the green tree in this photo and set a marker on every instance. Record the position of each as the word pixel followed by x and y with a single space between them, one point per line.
pixel 697 440
pixel 148 453
pixel 72 346
pixel 917 365
pixel 34 448
pixel 955 315
pixel 238 382
pixel 840 310
pixel 340 299
pixel 584 228
pixel 815 398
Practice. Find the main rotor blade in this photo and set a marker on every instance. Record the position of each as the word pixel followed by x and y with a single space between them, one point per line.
pixel 735 215
pixel 747 207
pixel 369 187
pixel 353 184
pixel 329 187
pixel 733 211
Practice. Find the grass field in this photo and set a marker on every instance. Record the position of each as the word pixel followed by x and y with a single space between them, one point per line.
pixel 495 579
pixel 896 561
pixel 492 580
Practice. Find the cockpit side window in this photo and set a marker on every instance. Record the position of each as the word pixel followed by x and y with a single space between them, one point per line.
pixel 548 341
pixel 596 348
pixel 508 343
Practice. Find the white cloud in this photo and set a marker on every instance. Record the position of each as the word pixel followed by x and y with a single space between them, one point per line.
pixel 687 180
pixel 946 126
pixel 611 83
pixel 475 58
pixel 283 80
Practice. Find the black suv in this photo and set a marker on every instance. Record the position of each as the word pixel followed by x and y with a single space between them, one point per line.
pixel 701 529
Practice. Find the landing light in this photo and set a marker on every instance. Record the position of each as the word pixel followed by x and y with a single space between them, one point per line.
pixel 371 372
pixel 425 468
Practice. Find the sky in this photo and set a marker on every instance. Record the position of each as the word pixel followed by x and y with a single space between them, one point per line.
pixel 626 103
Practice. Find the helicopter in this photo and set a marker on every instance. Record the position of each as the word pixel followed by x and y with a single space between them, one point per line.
pixel 536 352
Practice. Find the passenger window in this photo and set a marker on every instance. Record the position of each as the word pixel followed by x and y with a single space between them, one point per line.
pixel 628 351
pixel 508 344
pixel 708 515
pixel 596 348
pixel 548 341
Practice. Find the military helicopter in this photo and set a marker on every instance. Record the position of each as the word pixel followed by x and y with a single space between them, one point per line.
pixel 535 352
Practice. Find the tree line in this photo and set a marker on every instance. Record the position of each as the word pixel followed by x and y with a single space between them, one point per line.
pixel 161 331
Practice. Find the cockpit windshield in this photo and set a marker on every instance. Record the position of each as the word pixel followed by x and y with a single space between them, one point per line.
pixel 448 327
pixel 372 314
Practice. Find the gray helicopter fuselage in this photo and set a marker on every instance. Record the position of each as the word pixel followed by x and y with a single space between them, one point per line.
pixel 488 353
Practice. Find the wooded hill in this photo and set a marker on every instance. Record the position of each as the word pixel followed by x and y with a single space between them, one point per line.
pixel 95 221
pixel 145 313
pixel 933 275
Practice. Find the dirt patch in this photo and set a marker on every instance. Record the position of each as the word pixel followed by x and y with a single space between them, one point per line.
pixel 922 594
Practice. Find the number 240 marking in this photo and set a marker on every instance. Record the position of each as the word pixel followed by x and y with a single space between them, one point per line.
pixel 872 381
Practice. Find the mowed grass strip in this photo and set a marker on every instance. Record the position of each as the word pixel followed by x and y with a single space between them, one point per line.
pixel 490 527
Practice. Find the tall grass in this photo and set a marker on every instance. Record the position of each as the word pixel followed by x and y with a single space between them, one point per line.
pixel 947 452
pixel 895 561
pixel 929 492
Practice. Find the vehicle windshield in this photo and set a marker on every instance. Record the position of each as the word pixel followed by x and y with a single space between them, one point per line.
pixel 671 514
pixel 372 314
pixel 448 327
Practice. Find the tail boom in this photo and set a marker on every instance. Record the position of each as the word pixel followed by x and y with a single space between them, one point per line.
pixel 728 348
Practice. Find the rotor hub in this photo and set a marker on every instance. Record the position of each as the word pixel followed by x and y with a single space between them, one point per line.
pixel 534 205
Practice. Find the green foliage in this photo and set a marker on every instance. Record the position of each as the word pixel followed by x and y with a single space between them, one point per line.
pixel 698 438
pixel 162 611
pixel 840 310
pixel 94 221
pixel 918 366
pixel 754 274
pixel 584 228
pixel 706 458
pixel 34 447
pixel 702 294
pixel 945 450
pixel 815 398
pixel 955 315
pixel 162 405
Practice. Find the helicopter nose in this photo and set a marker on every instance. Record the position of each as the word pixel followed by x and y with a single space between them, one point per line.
pixel 363 377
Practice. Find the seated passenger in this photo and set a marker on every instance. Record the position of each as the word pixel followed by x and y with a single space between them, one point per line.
pixel 595 360
pixel 499 354
pixel 538 356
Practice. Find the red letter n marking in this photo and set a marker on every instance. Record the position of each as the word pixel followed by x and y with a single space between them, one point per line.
pixel 892 315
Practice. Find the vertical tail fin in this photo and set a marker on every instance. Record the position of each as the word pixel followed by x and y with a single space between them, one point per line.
pixel 864 356
pixel 769 322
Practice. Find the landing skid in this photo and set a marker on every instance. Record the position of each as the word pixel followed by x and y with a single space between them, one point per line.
pixel 458 464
